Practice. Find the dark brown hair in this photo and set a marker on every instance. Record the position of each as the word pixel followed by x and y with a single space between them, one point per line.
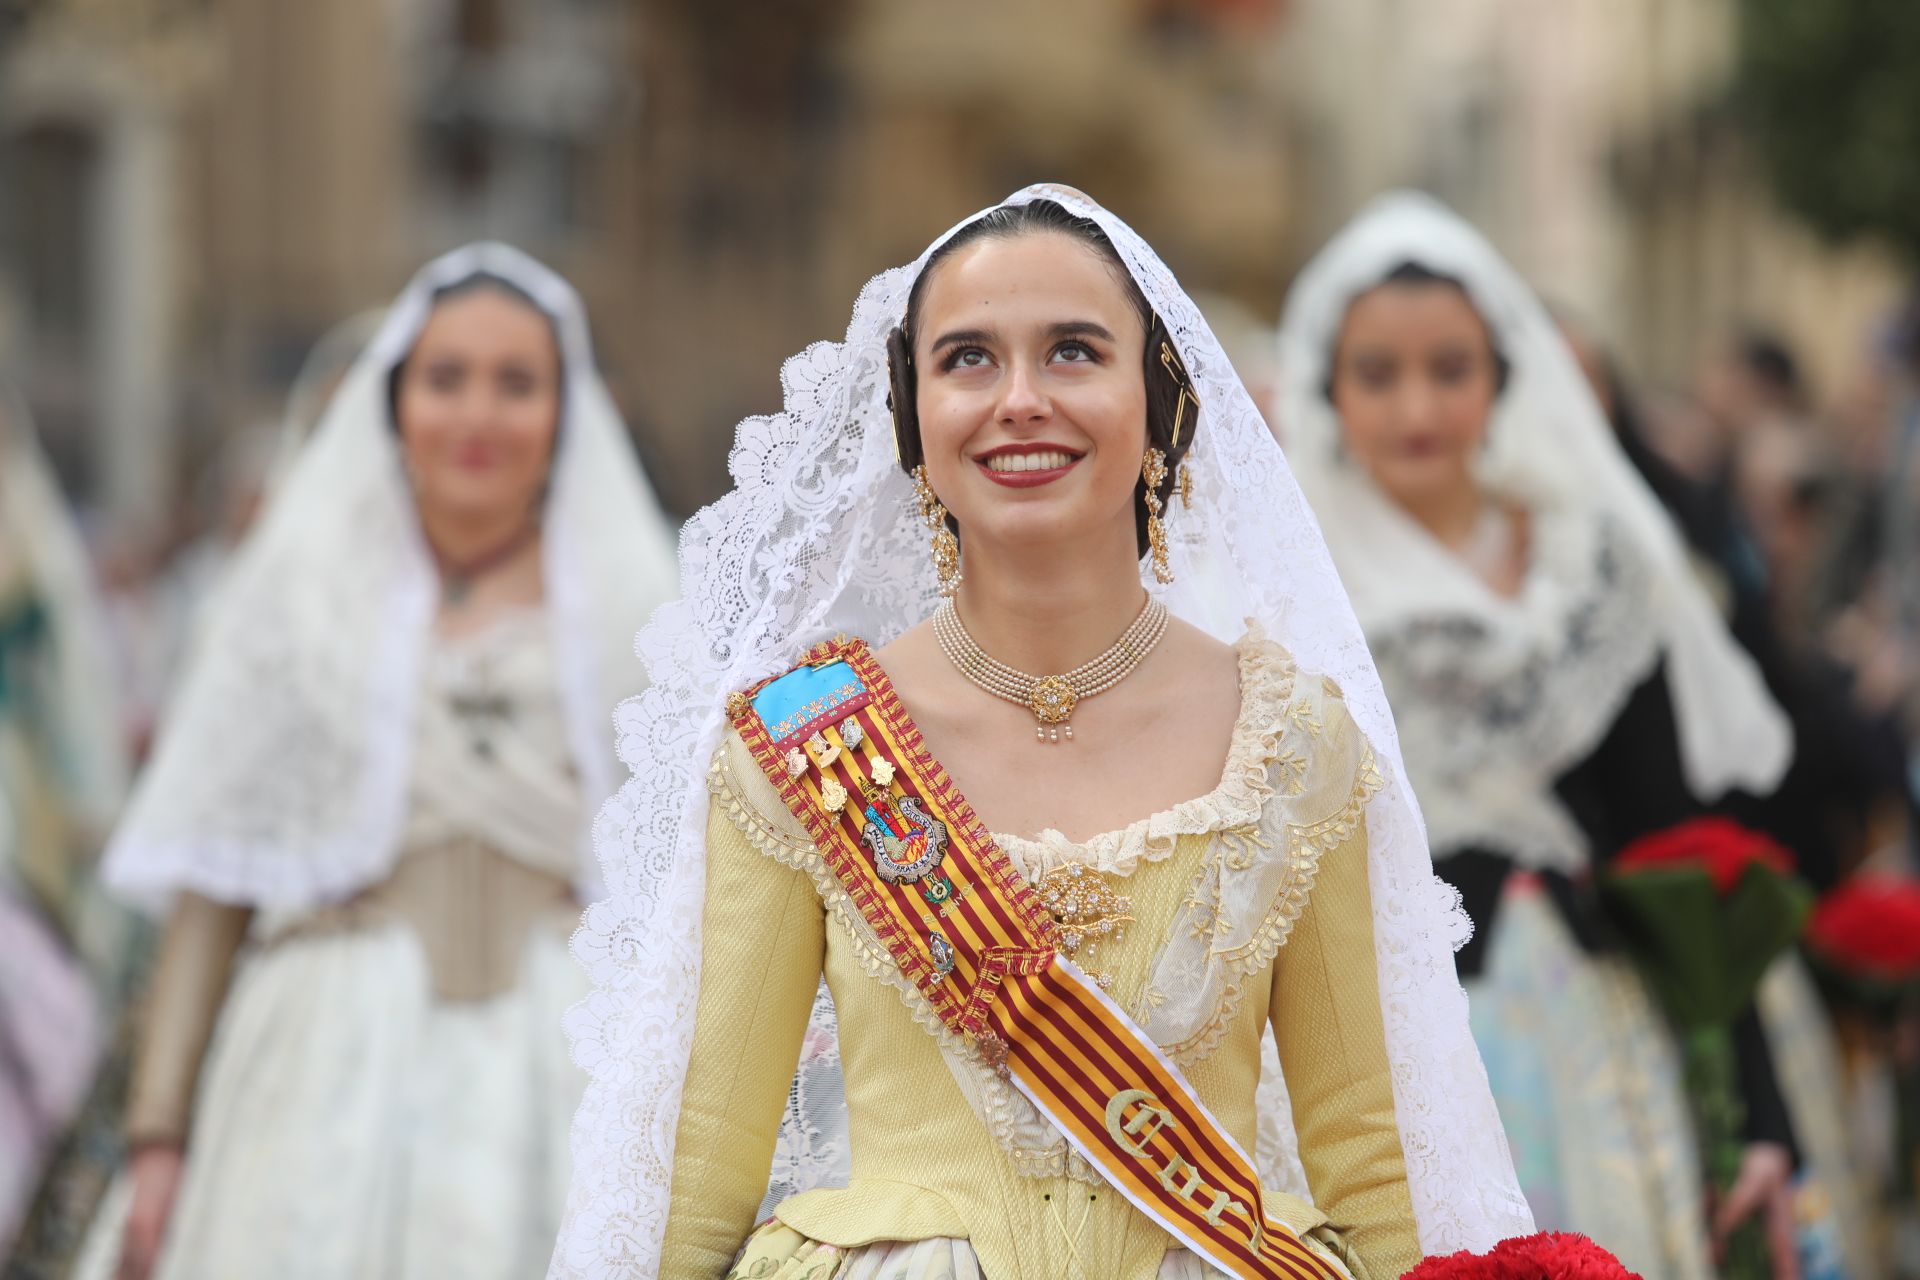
pixel 1166 375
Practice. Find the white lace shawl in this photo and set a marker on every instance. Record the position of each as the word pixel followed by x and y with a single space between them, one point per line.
pixel 1490 717
pixel 819 536
pixel 1549 447
pixel 282 770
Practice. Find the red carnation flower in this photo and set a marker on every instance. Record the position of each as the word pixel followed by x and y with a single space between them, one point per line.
pixel 1869 927
pixel 1719 846
pixel 1546 1255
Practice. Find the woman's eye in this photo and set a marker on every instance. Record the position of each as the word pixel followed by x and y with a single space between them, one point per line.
pixel 968 358
pixel 1073 353
pixel 1374 377
pixel 445 377
pixel 517 384
pixel 1453 372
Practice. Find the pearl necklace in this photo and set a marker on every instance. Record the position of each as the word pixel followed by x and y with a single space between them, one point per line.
pixel 1052 699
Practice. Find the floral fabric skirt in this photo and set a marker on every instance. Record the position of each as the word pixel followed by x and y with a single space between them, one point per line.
pixel 777 1252
pixel 49 1039
pixel 1587 1079
pixel 1831 1200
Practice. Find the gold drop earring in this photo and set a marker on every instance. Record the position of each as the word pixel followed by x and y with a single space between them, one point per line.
pixel 946 547
pixel 1153 472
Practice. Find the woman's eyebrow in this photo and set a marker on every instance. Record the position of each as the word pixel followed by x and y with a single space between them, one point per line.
pixel 1055 332
pixel 1079 329
pixel 964 338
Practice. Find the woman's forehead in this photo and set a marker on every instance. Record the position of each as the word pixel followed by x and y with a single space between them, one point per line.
pixel 1414 308
pixel 1030 275
pixel 489 318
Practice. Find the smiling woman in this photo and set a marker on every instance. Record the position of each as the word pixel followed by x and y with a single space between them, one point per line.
pixel 1065 845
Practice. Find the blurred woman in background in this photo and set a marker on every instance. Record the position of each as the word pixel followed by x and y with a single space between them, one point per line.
pixel 1563 686
pixel 62 777
pixel 369 811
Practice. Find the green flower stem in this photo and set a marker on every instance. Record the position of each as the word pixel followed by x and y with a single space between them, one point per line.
pixel 1712 1080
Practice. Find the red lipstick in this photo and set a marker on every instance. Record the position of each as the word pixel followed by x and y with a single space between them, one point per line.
pixel 1027 466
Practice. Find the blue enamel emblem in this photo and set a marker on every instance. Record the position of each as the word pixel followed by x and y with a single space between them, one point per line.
pixel 797 703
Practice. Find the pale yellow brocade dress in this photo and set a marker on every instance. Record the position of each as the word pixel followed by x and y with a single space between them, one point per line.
pixel 950 1177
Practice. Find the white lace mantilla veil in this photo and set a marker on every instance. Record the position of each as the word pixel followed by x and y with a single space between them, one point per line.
pixel 820 537
pixel 282 770
pixel 1549 445
pixel 46 542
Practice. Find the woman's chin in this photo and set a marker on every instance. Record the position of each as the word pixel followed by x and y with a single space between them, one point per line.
pixel 474 504
pixel 1034 527
pixel 1420 485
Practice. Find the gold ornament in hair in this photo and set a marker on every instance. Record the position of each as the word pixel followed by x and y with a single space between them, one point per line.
pixel 1153 473
pixel 1177 370
pixel 946 547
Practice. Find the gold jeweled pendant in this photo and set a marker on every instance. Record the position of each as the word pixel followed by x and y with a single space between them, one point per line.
pixel 1052 702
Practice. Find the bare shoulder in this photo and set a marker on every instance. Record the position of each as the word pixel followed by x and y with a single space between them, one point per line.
pixel 912 647
pixel 1194 678
pixel 912 660
pixel 919 671
pixel 1204 662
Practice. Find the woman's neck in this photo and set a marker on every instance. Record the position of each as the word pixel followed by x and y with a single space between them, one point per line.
pixel 463 537
pixel 1450 515
pixel 1048 612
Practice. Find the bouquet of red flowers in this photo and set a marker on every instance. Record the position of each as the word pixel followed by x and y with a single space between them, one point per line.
pixel 1864 944
pixel 1705 907
pixel 1547 1255
pixel 1864 937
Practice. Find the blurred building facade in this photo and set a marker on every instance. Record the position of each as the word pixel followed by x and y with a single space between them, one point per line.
pixel 1594 141
pixel 198 189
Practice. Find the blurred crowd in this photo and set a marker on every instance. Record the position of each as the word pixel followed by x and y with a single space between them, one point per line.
pixel 1799 504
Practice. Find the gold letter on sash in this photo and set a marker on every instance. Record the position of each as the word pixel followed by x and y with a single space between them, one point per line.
pixel 1222 1203
pixel 1174 1168
pixel 1135 1134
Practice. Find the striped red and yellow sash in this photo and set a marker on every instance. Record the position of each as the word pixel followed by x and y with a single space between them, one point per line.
pixel 965 927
